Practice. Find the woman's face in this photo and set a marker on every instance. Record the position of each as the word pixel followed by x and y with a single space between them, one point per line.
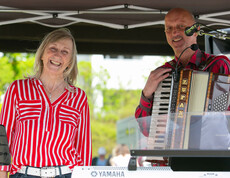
pixel 57 56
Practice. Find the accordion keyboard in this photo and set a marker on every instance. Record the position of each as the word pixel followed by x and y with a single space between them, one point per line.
pixel 160 110
pixel 162 97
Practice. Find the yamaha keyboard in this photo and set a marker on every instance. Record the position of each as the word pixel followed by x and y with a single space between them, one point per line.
pixel 156 172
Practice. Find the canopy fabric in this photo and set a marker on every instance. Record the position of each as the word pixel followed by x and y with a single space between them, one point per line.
pixel 129 27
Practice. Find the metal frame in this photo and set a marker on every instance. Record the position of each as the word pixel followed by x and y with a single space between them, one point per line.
pixel 66 15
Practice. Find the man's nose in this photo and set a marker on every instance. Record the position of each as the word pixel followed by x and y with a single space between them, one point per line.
pixel 176 29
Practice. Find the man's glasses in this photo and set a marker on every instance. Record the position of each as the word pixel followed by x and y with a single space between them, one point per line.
pixel 177 28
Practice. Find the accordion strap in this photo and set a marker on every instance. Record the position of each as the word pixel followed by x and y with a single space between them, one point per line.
pixel 179 67
pixel 212 61
pixel 205 65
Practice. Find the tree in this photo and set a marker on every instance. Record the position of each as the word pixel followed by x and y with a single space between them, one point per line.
pixel 7 74
pixel 14 66
pixel 103 132
pixel 117 104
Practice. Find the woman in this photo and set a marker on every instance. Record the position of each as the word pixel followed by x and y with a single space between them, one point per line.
pixel 121 155
pixel 46 117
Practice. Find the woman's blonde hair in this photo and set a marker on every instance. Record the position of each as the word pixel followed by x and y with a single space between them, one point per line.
pixel 70 74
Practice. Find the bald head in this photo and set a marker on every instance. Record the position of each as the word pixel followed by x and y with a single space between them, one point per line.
pixel 180 12
pixel 176 21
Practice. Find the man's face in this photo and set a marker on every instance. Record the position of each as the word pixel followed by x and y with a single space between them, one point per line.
pixel 175 24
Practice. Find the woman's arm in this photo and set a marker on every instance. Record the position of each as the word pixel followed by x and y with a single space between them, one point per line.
pixel 84 142
pixel 3 174
pixel 7 117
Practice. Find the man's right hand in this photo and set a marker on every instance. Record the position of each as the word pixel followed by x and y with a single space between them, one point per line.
pixel 155 77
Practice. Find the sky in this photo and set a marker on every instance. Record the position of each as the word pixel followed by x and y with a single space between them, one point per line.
pixel 128 73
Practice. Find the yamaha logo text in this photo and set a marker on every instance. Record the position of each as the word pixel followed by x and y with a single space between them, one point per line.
pixel 107 174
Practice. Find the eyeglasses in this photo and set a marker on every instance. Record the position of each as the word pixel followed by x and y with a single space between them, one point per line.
pixel 178 28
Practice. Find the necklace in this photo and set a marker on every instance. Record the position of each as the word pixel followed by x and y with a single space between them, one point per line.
pixel 50 92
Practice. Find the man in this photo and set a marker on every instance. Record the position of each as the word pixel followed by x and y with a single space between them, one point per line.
pixel 176 21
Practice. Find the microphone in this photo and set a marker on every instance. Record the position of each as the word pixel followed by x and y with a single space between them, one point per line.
pixel 189 31
pixel 193 47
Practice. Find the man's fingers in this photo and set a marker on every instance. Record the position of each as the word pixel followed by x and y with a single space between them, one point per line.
pixel 160 74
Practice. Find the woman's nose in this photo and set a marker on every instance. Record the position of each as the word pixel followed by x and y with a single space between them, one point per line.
pixel 57 53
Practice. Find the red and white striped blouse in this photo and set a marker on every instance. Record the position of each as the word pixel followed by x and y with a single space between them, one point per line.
pixel 41 133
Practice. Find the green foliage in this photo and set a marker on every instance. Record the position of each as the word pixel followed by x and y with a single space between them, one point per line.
pixel 14 66
pixel 84 80
pixel 25 66
pixel 120 103
pixel 7 74
pixel 103 134
pixel 117 104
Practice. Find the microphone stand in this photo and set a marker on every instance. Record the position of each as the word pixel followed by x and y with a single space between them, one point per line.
pixel 175 74
pixel 218 35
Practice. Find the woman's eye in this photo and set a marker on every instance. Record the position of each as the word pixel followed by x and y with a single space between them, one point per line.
pixel 65 52
pixel 53 49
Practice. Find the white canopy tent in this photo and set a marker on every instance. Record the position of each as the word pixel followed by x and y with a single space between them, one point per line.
pixel 106 27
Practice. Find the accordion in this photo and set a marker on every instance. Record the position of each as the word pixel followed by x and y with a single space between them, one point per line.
pixel 194 92
pixel 5 158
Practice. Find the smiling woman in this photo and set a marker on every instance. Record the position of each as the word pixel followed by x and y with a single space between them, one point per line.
pixel 57 55
pixel 56 60
pixel 52 114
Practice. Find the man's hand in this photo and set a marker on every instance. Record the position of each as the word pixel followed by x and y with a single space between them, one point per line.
pixel 3 174
pixel 154 79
